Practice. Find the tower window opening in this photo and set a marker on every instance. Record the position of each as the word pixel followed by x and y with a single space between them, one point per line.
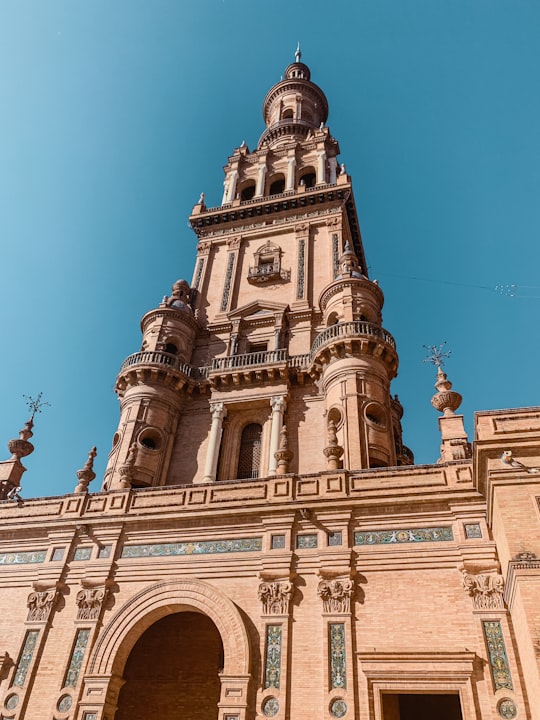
pixel 277 185
pixel 248 191
pixel 288 114
pixel 150 439
pixel 171 348
pixel 249 458
pixel 308 177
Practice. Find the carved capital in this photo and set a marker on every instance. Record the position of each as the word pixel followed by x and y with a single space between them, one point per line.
pixel 336 595
pixel 301 229
pixel 486 590
pixel 90 601
pixel 278 403
pixel 218 410
pixel 275 597
pixel 203 248
pixel 234 243
pixel 40 604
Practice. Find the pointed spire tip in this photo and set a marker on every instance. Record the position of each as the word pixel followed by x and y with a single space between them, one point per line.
pixel 298 53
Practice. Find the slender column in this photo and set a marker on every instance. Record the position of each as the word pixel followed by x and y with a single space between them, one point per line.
pixel 218 411
pixel 332 166
pixel 279 405
pixel 261 177
pixel 291 167
pixel 230 187
pixel 321 161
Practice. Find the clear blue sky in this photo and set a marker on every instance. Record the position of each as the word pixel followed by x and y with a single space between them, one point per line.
pixel 116 115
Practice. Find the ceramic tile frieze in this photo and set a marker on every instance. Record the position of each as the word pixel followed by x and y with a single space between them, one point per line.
pixel 305 542
pixel 77 656
pixel 500 670
pixel 273 656
pixel 228 279
pixel 34 556
pixel 404 535
pixel 25 659
pixel 301 269
pixel 336 632
pixel 203 547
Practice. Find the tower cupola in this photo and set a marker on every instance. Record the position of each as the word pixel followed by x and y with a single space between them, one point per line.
pixel 293 107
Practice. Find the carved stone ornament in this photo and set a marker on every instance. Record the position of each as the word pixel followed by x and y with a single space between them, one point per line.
pixel 203 248
pixel 275 597
pixel 485 589
pixel 90 601
pixel 336 595
pixel 234 242
pixel 40 604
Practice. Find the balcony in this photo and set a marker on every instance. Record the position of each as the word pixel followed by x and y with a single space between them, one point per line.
pixel 264 357
pixel 355 328
pixel 155 357
pixel 267 272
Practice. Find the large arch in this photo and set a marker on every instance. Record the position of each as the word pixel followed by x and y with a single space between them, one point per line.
pixel 154 602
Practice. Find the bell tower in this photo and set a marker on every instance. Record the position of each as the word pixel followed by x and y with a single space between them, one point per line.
pixel 275 360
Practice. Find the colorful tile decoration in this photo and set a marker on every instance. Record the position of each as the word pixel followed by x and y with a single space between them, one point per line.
pixel 273 656
pixel 58 554
pixel 25 659
pixel 104 552
pixel 335 538
pixel 203 547
pixel 65 703
pixel 301 269
pixel 305 542
pixel 507 709
pixel 335 254
pixel 498 659
pixel 12 701
pixel 34 556
pixel 228 278
pixel 473 530
pixel 338 678
pixel 77 656
pixel 338 708
pixel 278 542
pixel 404 535
pixel 83 553
pixel 271 707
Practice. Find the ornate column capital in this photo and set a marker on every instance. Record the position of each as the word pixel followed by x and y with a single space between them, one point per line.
pixel 336 594
pixel 278 403
pixel 275 596
pixel 90 600
pixel 218 410
pixel 486 590
pixel 41 602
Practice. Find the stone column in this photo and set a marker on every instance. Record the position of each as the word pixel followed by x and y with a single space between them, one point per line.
pixel 321 169
pixel 332 166
pixel 261 177
pixel 279 405
pixel 218 411
pixel 291 168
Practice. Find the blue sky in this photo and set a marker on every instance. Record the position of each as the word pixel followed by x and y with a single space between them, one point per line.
pixel 115 116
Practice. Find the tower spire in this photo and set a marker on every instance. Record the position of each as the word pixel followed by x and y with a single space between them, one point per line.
pixel 297 53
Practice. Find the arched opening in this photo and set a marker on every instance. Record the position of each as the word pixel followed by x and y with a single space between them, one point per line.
pixel 277 184
pixel 308 177
pixel 247 190
pixel 173 671
pixel 288 114
pixel 249 457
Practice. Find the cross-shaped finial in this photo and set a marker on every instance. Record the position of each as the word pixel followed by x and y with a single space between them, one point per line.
pixel 436 355
pixel 36 404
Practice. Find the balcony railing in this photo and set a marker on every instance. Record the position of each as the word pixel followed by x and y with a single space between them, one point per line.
pixel 155 357
pixel 349 330
pixel 264 357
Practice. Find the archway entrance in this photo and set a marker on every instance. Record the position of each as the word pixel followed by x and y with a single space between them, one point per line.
pixel 412 706
pixel 172 671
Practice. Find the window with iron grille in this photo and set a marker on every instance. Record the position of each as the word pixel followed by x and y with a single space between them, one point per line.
pixel 250 451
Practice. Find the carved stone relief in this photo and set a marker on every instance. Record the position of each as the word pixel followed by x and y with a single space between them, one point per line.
pixel 275 597
pixel 336 595
pixel 486 590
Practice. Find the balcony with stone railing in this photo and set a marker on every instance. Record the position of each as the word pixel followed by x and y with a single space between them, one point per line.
pixel 354 337
pixel 155 365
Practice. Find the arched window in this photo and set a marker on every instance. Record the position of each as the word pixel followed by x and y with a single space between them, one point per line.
pixel 277 184
pixel 308 177
pixel 247 190
pixel 288 114
pixel 249 458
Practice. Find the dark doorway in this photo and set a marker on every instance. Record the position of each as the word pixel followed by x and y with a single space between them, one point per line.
pixel 172 671
pixel 407 706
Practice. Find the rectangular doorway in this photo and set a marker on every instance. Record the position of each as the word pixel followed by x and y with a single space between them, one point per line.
pixel 416 706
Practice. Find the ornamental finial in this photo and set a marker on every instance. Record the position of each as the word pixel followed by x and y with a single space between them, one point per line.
pixel 445 400
pixel 436 355
pixel 298 53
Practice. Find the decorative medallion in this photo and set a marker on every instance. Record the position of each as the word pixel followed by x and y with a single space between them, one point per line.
pixel 271 707
pixel 64 704
pixel 507 709
pixel 12 701
pixel 338 708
